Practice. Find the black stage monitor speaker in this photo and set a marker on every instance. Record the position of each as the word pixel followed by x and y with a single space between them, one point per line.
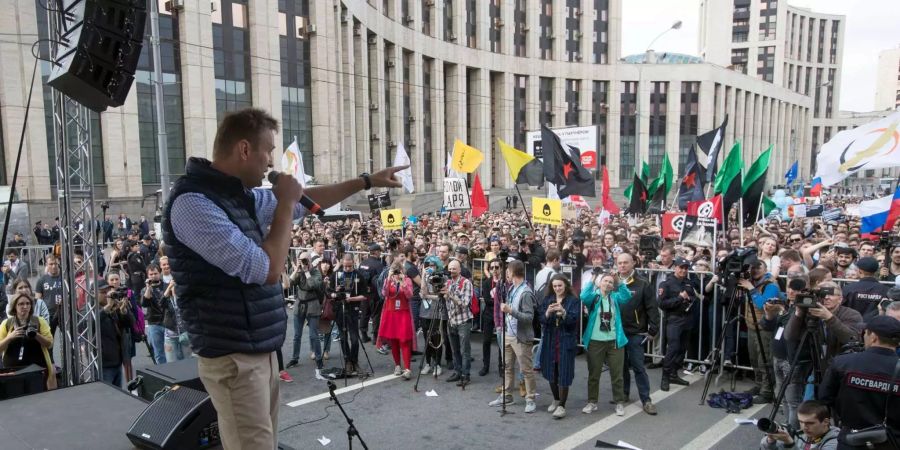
pixel 19 381
pixel 182 418
pixel 157 377
pixel 100 44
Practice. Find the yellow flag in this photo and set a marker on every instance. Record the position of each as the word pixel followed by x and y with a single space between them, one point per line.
pixel 465 158
pixel 392 219
pixel 546 211
pixel 515 159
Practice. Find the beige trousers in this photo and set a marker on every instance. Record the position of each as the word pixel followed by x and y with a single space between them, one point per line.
pixel 514 351
pixel 244 389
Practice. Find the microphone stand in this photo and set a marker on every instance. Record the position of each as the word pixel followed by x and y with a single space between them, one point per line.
pixel 502 341
pixel 351 429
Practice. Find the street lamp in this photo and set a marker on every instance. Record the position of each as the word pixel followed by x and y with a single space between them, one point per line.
pixel 637 121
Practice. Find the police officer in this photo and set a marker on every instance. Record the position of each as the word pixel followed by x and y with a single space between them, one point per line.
pixel 677 295
pixel 865 294
pixel 859 385
pixel 369 269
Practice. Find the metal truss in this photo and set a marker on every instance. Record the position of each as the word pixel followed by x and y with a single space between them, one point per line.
pixel 79 311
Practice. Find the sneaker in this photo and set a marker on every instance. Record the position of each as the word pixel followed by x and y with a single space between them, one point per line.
pixel 560 412
pixel 620 409
pixel 319 375
pixel 664 383
pixel 286 377
pixel 419 332
pixel 382 350
pixel 650 408
pixel 437 370
pixel 589 408
pixel 312 356
pixel 484 371
pixel 325 356
pixel 406 374
pixel 553 406
pixel 397 371
pixel 426 369
pixel 499 401
pixel 530 406
pixel 453 377
pixel 678 380
pixel 292 363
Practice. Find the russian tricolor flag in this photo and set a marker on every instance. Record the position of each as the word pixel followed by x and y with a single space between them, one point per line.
pixel 816 189
pixel 879 214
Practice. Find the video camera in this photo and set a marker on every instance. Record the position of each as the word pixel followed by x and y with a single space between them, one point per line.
pixel 649 247
pixel 887 241
pixel 737 263
pixel 118 294
pixel 812 298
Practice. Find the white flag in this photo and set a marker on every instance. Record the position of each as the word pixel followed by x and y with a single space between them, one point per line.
pixel 874 145
pixel 292 163
pixel 405 175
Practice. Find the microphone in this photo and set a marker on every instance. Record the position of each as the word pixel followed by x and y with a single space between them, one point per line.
pixel 307 202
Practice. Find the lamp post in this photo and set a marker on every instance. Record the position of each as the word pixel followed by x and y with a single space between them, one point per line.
pixel 637 121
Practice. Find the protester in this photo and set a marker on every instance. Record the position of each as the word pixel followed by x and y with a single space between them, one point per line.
pixel 604 339
pixel 518 313
pixel 396 320
pixel 458 294
pixel 640 322
pixel 558 312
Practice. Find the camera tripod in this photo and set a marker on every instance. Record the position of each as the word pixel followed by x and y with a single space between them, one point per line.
pixel 501 340
pixel 813 329
pixel 435 323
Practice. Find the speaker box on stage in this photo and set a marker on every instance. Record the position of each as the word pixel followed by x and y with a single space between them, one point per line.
pixel 19 381
pixel 182 418
pixel 158 377
pixel 99 46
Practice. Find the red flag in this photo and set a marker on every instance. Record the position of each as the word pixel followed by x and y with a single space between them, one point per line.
pixel 479 202
pixel 894 212
pixel 608 203
pixel 672 224
pixel 710 208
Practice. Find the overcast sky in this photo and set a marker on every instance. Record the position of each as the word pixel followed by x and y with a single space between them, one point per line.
pixel 872 26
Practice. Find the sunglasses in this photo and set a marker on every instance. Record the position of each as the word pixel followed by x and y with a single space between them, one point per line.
pixel 495 267
pixel 796 240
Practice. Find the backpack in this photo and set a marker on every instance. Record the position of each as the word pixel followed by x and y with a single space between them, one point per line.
pixel 473 303
pixel 137 329
pixel 732 402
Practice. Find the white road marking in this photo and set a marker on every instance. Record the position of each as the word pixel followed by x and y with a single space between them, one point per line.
pixel 722 428
pixel 350 388
pixel 599 427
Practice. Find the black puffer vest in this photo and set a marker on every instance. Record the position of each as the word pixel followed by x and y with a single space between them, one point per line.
pixel 222 314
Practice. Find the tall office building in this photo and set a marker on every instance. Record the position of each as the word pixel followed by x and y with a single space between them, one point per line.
pixel 887 82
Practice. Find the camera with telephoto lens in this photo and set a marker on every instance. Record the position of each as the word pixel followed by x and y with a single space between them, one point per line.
pixel 649 247
pixel 118 294
pixel 438 280
pixel 812 298
pixel 887 241
pixel 31 331
pixel 737 263
pixel 772 427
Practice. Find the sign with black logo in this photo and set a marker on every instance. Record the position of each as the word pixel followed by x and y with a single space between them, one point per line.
pixel 379 200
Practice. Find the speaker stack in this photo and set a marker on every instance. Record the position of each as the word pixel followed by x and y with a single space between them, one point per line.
pixel 99 44
pixel 182 418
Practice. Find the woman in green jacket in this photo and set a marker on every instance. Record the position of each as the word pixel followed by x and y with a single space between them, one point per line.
pixel 604 338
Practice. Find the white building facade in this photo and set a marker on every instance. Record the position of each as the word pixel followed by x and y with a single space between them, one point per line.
pixel 352 79
pixel 887 81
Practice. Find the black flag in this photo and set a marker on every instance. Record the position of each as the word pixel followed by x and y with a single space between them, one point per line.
pixel 563 168
pixel 710 143
pixel 691 188
pixel 638 203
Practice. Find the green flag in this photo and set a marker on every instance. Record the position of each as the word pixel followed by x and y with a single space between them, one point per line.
pixel 768 206
pixel 753 185
pixel 728 180
pixel 628 191
pixel 659 189
pixel 645 173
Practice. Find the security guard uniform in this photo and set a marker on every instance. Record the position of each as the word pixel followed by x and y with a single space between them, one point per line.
pixel 678 322
pixel 864 296
pixel 859 386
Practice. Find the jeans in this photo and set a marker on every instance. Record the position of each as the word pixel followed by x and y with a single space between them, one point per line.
pixel 175 350
pixel 156 335
pixel 793 393
pixel 634 360
pixel 415 306
pixel 537 355
pixel 112 375
pixel 314 340
pixel 461 345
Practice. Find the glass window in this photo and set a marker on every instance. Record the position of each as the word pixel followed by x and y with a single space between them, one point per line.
pixel 690 105
pixel 573 87
pixel 231 57
pixel 520 92
pixel 545 93
pixel 657 145
pixel 627 128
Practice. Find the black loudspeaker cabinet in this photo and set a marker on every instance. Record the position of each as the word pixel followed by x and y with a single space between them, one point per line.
pixel 158 377
pixel 182 418
pixel 100 45
pixel 19 381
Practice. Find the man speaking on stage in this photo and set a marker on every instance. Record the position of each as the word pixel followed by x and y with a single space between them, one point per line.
pixel 227 244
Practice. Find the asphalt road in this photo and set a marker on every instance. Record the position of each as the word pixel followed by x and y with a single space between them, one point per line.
pixel 389 414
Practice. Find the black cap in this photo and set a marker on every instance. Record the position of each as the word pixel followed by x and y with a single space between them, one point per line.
pixel 374 247
pixel 102 284
pixel 462 249
pixel 145 237
pixel 681 262
pixel 884 326
pixel 867 264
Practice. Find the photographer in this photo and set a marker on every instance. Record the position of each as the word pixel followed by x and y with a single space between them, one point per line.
pixel 842 325
pixel 348 291
pixel 857 385
pixel 865 294
pixel 532 253
pixel 492 287
pixel 762 288
pixel 152 302
pixel 25 338
pixel 177 342
pixel 430 318
pixel 814 432
pixel 114 319
pixel 307 280
pixel 396 325
pixel 370 268
pixel 677 295
pixel 891 270
pixel 777 315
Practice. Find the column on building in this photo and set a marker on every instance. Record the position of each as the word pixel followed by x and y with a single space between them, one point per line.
pixel 122 148
pixel 739 107
pixel 709 111
pixel 613 141
pixel 324 83
pixel 532 36
pixel 559 39
pixel 502 91
pixel 265 63
pixel 730 95
pixel 15 78
pixel 614 34
pixel 347 50
pixel 642 115
pixel 507 33
pixel 394 77
pixel 362 131
pixel 483 27
pixel 416 147
pixel 198 81
pixel 455 116
pixel 377 131
pixel 673 130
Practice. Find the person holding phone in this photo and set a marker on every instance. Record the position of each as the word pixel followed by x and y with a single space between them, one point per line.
pixel 396 326
pixel 558 313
